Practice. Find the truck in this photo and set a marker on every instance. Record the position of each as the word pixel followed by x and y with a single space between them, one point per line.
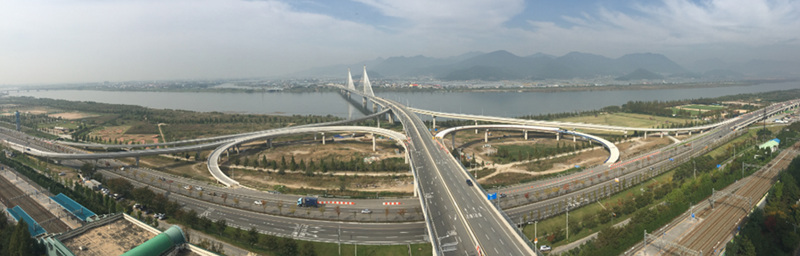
pixel 307 202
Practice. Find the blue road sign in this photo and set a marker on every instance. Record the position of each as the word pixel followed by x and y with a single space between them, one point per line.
pixel 692 215
pixel 577 166
pixel 718 166
pixel 671 159
pixel 492 196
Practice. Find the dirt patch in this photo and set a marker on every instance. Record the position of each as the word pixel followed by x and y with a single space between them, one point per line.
pixel 71 115
pixel 116 134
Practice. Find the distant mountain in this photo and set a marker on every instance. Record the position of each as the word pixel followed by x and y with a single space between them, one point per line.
pixel 722 74
pixel 654 62
pixel 768 68
pixel 503 65
pixel 486 73
pixel 639 74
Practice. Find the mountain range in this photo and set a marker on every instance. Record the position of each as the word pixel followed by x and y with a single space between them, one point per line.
pixel 503 65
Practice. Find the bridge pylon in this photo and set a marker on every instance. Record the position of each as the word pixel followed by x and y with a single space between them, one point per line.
pixel 367 85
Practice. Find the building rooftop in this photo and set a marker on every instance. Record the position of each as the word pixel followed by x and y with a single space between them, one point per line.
pixel 114 238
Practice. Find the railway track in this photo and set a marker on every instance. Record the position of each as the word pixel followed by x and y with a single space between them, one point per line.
pixel 711 235
pixel 11 195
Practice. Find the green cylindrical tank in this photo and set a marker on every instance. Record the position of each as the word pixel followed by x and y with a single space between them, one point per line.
pixel 161 243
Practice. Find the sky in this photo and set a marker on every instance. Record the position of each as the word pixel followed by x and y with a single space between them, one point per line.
pixel 74 41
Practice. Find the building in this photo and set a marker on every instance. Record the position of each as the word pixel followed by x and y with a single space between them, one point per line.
pixel 120 234
pixel 771 145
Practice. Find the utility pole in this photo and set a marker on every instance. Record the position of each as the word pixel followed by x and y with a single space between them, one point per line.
pixel 695 169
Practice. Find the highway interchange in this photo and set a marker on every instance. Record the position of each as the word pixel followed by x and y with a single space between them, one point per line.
pixel 459 216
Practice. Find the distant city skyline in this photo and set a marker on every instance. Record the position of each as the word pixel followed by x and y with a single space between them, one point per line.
pixel 45 42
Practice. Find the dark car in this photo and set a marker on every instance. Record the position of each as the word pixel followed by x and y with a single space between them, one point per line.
pixel 469 182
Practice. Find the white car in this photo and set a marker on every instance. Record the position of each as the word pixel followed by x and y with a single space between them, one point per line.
pixel 198 188
pixel 258 202
pixel 544 248
pixel 366 211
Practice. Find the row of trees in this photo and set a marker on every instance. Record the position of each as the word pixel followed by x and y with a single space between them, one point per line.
pixel 16 240
pixel 324 165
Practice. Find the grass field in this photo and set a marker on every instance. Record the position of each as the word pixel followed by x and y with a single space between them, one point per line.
pixel 703 107
pixel 625 119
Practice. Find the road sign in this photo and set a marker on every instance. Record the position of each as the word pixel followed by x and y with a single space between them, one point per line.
pixel 492 196
pixel 692 215
pixel 535 240
pixel 718 166
pixel 670 159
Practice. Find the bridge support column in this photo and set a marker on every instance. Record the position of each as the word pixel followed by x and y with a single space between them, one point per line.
pixel 269 143
pixel 626 133
pixel 378 120
pixel 526 134
pixel 389 118
pixel 373 141
pixel 645 135
pixel 433 128
pixel 416 186
pixel 236 148
pixel 227 154
pixel 137 161
pixel 690 133
pixel 662 134
pixel 486 136
pixel 558 136
pixel 364 101
pixel 323 138
pixel 374 107
pixel 574 138
pixel 476 124
pixel 453 140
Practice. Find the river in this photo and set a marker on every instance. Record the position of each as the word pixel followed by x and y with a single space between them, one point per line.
pixel 506 104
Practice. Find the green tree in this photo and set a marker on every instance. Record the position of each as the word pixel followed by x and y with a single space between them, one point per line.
pixel 252 236
pixel 746 248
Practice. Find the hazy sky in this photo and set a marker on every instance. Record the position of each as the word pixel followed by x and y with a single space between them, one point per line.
pixel 63 41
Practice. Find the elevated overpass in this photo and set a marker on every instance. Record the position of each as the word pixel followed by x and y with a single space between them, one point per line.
pixel 572 125
pixel 612 149
pixel 215 138
pixel 213 159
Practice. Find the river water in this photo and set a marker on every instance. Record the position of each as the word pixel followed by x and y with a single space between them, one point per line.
pixel 506 104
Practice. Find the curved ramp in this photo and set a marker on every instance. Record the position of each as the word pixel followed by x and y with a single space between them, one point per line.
pixel 612 149
pixel 213 159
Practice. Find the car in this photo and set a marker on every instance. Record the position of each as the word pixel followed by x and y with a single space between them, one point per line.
pixel 366 211
pixel 503 195
pixel 258 202
pixel 160 216
pixel 469 182
pixel 198 188
pixel 544 248
pixel 187 187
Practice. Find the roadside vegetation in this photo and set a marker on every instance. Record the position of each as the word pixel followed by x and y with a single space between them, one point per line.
pixel 650 212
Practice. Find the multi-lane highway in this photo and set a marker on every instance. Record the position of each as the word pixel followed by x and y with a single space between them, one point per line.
pixel 461 219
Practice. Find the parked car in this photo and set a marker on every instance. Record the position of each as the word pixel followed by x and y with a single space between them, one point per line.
pixel 258 202
pixel 366 211
pixel 160 216
pixel 198 188
pixel 544 248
